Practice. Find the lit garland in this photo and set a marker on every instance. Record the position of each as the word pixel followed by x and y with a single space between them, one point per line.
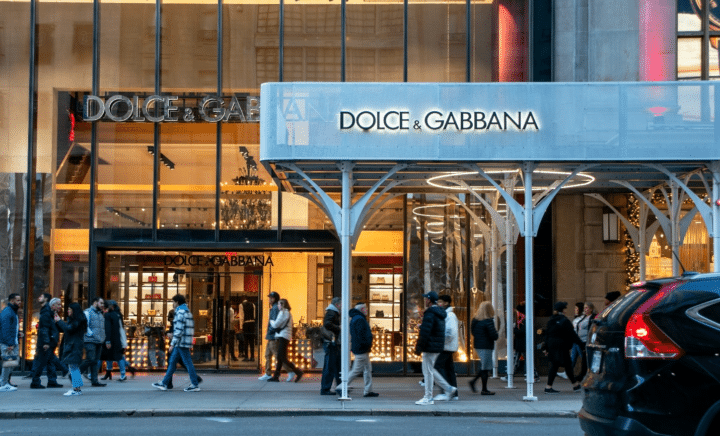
pixel 632 257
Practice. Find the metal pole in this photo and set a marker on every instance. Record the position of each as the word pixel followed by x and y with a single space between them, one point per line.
pixel 674 206
pixel 509 310
pixel 494 287
pixel 530 316
pixel 345 277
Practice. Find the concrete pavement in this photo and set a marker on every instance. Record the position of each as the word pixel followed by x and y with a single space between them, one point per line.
pixel 245 395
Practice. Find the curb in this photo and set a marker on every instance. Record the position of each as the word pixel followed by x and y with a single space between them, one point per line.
pixel 248 413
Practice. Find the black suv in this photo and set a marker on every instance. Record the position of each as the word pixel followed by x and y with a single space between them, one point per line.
pixel 654 361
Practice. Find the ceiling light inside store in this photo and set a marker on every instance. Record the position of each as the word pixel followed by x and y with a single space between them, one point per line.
pixel 451 181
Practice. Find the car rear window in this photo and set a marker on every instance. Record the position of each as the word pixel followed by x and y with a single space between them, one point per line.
pixel 712 312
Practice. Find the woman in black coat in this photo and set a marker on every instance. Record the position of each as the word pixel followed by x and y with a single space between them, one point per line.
pixel 114 350
pixel 73 344
pixel 559 339
pixel 484 336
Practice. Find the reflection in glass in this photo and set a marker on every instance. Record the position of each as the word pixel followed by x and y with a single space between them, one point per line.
pixel 689 58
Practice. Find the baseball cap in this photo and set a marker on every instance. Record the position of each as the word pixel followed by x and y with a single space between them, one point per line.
pixel 432 295
pixel 559 306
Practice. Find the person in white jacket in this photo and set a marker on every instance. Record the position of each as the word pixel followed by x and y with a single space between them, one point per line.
pixel 283 325
pixel 444 363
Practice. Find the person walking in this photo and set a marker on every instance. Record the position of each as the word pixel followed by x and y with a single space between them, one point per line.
pixel 249 330
pixel 47 340
pixel 430 343
pixel 559 338
pixel 444 363
pixel 74 330
pixel 229 333
pixel 182 340
pixel 271 348
pixel 113 350
pixel 94 340
pixel 581 324
pixel 331 346
pixel 361 341
pixel 283 325
pixel 9 335
pixel 484 336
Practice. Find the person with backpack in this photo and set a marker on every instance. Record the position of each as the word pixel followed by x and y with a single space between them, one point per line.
pixel 361 341
pixel 94 340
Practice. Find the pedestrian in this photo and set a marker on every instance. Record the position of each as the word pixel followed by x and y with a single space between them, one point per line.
pixel 271 349
pixel 94 340
pixel 249 330
pixel 114 349
pixel 559 339
pixel 283 325
pixel 430 343
pixel 47 340
pixel 9 340
pixel 610 297
pixel 74 330
pixel 182 340
pixel 331 346
pixel 444 363
pixel 361 341
pixel 581 324
pixel 484 336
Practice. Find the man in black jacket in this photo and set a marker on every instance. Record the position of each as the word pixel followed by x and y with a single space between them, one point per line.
pixel 430 343
pixel 361 340
pixel 47 339
pixel 331 344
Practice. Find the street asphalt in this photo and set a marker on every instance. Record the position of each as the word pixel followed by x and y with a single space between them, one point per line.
pixel 245 395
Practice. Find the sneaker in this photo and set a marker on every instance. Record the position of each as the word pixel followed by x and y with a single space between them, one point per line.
pixel 7 388
pixel 122 379
pixel 563 375
pixel 441 397
pixel 72 393
pixel 551 391
pixel 577 388
pixel 54 385
pixel 503 378
pixel 455 397
pixel 192 388
pixel 422 383
pixel 371 394
pixel 298 376
pixel 264 377
pixel 290 377
pixel 160 386
pixel 425 402
pixel 487 393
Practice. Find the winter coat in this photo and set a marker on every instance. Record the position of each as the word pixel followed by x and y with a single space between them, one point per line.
pixel 96 322
pixel 519 336
pixel 331 322
pixel 183 328
pixel 484 334
pixel 270 334
pixel 73 339
pixel 9 326
pixel 361 337
pixel 582 326
pixel 451 331
pixel 283 325
pixel 559 338
pixel 112 336
pixel 432 331
pixel 47 332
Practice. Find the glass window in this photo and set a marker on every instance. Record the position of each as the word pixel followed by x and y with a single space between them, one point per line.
pixel 689 58
pixel 689 16
pixel 375 42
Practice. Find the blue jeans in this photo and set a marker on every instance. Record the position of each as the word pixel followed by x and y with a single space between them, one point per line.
pixel 183 354
pixel 109 364
pixel 75 376
pixel 331 366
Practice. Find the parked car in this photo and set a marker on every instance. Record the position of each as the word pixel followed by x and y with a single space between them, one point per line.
pixel 654 361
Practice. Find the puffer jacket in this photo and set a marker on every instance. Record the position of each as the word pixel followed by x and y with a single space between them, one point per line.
pixel 48 333
pixel 451 331
pixel 331 322
pixel 96 324
pixel 9 326
pixel 183 328
pixel 432 331
pixel 283 325
pixel 361 337
pixel 484 334
pixel 270 333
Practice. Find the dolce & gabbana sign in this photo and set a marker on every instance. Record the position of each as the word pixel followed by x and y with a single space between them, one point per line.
pixel 172 108
pixel 438 121
pixel 231 259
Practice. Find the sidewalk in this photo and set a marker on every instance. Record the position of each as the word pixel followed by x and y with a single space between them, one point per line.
pixel 245 395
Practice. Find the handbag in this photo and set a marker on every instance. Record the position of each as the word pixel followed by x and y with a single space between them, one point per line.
pixel 11 363
pixel 123 337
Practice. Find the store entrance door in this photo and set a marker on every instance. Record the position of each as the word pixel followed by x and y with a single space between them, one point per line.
pixel 228 319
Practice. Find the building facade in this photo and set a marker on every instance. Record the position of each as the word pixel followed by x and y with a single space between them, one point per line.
pixel 130 170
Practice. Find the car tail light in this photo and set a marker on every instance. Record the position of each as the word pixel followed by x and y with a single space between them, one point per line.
pixel 644 339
